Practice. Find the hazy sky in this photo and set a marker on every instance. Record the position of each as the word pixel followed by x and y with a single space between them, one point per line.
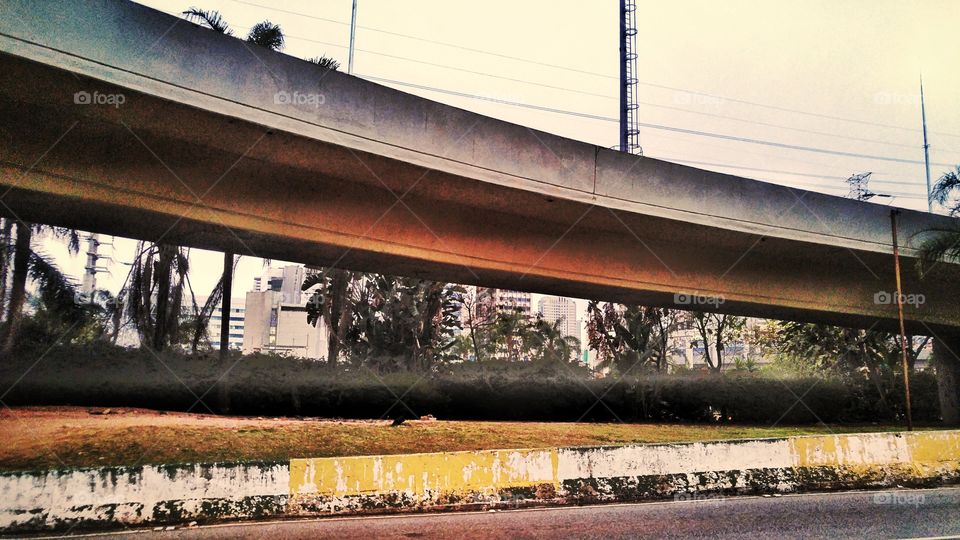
pixel 839 59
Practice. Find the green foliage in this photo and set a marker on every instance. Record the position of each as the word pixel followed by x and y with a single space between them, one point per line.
pixel 267 35
pixel 943 191
pixel 154 293
pixel 868 358
pixel 716 330
pixel 210 19
pixel 943 243
pixel 384 322
pixel 104 375
pixel 630 336
pixel 325 62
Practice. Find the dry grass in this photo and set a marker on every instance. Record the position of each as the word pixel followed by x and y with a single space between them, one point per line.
pixel 57 437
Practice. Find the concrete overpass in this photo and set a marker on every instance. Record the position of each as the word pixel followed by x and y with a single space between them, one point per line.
pixel 119 119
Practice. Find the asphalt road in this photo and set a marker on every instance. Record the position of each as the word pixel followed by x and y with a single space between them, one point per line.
pixel 932 513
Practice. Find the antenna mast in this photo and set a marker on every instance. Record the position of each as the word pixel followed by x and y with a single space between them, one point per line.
pixel 926 146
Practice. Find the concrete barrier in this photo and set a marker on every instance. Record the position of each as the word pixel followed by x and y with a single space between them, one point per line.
pixel 148 495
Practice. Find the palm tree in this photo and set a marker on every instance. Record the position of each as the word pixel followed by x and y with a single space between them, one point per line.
pixel 264 33
pixel 945 244
pixel 550 344
pixel 29 263
pixel 155 293
pixel 269 36
pixel 622 335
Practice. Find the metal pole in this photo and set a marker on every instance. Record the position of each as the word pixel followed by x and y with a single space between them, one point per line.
pixel 903 332
pixel 624 128
pixel 926 146
pixel 353 34
pixel 225 305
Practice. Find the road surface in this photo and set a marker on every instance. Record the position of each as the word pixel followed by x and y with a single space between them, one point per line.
pixel 929 513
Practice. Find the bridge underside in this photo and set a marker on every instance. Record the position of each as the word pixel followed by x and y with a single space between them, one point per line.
pixel 156 170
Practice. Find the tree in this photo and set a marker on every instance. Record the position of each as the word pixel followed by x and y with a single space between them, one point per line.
pixel 549 344
pixel 29 264
pixel 154 293
pixel 847 353
pixel 267 35
pixel 264 34
pixel 479 319
pixel 716 330
pixel 512 335
pixel 943 245
pixel 383 321
pixel 332 304
pixel 667 321
pixel 622 335
pixel 325 62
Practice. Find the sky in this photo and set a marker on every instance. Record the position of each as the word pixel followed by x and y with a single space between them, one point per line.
pixel 837 76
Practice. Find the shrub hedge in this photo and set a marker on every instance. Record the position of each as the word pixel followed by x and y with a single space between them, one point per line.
pixel 271 386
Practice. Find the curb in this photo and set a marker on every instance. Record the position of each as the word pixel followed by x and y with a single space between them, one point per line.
pixel 167 494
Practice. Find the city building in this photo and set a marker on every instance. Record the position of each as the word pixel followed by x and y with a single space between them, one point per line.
pixel 276 316
pixel 237 311
pixel 564 310
pixel 286 280
pixel 507 301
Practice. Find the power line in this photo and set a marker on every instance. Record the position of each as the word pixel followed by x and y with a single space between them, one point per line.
pixel 598 117
pixel 585 72
pixel 664 127
pixel 777 171
pixel 491 75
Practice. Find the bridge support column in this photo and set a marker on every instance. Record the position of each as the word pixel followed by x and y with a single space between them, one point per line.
pixel 946 356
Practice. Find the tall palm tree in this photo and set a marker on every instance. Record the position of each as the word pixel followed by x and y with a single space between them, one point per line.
pixel 155 293
pixel 29 263
pixel 945 244
pixel 269 36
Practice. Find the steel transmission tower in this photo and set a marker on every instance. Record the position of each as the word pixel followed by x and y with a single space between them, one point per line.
pixel 89 284
pixel 858 187
pixel 629 127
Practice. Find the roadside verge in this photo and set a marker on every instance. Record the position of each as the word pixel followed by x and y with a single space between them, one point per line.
pixel 172 494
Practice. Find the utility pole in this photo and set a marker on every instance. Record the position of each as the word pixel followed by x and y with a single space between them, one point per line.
pixel 903 333
pixel 926 147
pixel 629 129
pixel 353 34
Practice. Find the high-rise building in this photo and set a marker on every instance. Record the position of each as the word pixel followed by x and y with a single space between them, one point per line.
pixel 276 316
pixel 286 280
pixel 235 337
pixel 507 301
pixel 564 310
